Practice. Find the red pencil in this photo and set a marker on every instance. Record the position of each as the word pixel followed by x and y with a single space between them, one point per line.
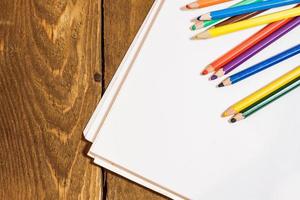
pixel 244 46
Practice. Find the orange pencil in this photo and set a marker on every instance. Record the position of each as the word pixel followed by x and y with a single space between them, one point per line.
pixel 202 4
pixel 244 46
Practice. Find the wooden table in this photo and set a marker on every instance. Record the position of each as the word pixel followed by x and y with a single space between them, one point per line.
pixel 56 59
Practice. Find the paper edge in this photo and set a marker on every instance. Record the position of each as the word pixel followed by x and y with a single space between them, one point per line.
pixel 91 130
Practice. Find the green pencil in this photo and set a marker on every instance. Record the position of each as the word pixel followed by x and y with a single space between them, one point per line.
pixel 266 101
pixel 203 24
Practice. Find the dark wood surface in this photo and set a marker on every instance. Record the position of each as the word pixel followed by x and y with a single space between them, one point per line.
pixel 51 52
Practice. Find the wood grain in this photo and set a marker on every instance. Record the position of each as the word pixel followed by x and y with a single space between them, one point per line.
pixel 121 23
pixel 49 53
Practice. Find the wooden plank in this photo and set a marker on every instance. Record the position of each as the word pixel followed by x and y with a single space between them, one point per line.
pixel 122 20
pixel 49 53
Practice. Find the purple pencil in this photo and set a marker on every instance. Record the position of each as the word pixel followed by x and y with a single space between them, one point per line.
pixel 257 48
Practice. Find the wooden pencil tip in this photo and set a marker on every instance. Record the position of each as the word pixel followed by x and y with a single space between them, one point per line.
pixel 191 6
pixel 201 36
pixel 218 74
pixel 227 82
pixel 225 114
pixel 230 111
pixel 198 25
pixel 238 117
pixel 194 38
pixel 185 8
pixel 205 17
pixel 194 20
pixel 208 69
pixel 201 18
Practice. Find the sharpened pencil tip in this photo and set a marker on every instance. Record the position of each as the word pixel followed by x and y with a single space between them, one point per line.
pixel 202 36
pixel 233 120
pixel 184 8
pixel 230 111
pixel 194 27
pixel 204 72
pixel 213 77
pixel 221 85
pixel 224 114
pixel 204 17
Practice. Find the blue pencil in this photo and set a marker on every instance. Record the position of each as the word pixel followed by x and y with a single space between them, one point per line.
pixel 234 11
pixel 261 66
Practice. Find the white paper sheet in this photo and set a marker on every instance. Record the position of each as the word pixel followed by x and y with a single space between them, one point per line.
pixel 164 126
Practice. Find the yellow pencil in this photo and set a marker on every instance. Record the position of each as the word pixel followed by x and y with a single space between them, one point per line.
pixel 263 92
pixel 266 19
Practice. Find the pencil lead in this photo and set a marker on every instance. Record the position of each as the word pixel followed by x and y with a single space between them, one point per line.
pixel 213 77
pixel 184 8
pixel 194 27
pixel 233 120
pixel 221 85
pixel 204 72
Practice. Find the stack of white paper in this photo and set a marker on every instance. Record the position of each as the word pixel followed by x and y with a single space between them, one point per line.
pixel 159 122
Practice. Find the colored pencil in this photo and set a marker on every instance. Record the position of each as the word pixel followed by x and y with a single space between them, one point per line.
pixel 230 12
pixel 243 46
pixel 239 18
pixel 202 4
pixel 261 66
pixel 249 23
pixel 263 92
pixel 203 24
pixel 266 101
pixel 257 48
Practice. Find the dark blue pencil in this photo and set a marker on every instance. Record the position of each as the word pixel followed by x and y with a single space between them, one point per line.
pixel 239 10
pixel 261 66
